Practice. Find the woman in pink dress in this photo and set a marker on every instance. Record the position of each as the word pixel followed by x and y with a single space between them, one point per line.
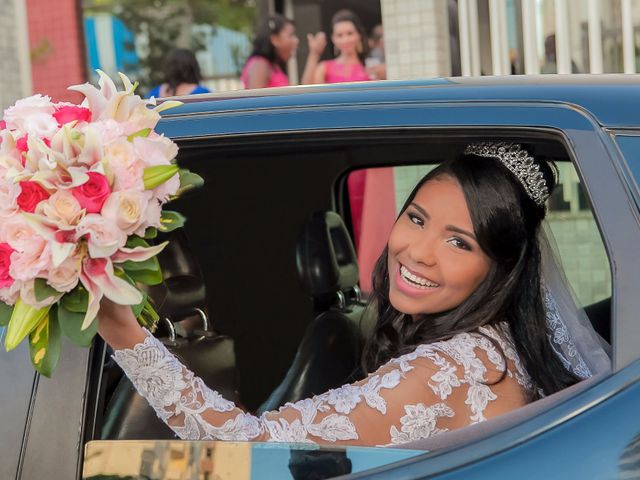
pixel 273 46
pixel 349 39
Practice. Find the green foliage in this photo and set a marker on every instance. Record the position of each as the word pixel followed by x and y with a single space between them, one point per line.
pixel 171 220
pixel 71 325
pixel 44 344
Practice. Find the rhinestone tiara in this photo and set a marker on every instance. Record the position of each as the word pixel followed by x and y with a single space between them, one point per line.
pixel 521 164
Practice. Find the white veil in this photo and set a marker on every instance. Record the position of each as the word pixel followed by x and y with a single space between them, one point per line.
pixel 577 344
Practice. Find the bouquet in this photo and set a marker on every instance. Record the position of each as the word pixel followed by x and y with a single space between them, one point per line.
pixel 81 194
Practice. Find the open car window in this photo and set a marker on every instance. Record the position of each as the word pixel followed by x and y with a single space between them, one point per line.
pixel 304 179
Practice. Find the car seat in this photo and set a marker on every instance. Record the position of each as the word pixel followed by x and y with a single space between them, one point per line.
pixel 329 354
pixel 185 330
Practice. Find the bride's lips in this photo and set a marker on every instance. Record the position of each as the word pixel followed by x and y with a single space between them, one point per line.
pixel 408 288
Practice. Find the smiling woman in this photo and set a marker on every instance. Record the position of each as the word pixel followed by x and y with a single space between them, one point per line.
pixel 463 331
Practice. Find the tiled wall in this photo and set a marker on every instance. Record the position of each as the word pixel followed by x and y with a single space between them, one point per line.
pixel 416 34
pixel 14 81
pixel 56 40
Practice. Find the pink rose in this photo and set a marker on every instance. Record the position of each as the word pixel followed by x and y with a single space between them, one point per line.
pixel 21 144
pixel 35 259
pixel 5 262
pixel 92 194
pixel 31 194
pixel 70 113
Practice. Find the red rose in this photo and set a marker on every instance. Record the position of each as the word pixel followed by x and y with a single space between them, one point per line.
pixel 92 194
pixel 71 113
pixel 31 195
pixel 5 263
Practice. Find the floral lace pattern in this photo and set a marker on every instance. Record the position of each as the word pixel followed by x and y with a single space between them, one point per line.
pixel 433 389
pixel 561 341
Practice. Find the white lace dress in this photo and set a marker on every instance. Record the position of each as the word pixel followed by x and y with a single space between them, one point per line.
pixel 435 388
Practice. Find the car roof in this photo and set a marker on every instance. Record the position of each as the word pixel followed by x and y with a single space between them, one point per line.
pixel 613 100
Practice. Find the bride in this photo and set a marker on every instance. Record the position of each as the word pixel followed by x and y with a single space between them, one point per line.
pixel 466 330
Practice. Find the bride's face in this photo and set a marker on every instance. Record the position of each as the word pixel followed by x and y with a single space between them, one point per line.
pixel 434 260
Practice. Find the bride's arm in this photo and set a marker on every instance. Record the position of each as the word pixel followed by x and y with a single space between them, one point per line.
pixel 390 406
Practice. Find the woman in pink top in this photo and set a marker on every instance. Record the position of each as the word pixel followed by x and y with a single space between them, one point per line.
pixel 273 46
pixel 349 39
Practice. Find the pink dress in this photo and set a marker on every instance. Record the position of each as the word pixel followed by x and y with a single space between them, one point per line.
pixel 277 79
pixel 335 72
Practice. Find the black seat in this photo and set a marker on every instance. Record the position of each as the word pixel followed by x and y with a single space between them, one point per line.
pixel 329 353
pixel 184 328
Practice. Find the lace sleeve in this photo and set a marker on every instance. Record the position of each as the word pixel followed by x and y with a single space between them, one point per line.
pixel 413 397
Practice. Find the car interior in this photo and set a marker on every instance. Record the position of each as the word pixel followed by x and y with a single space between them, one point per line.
pixel 261 292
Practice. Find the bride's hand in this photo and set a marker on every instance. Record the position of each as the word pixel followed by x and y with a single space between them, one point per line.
pixel 118 326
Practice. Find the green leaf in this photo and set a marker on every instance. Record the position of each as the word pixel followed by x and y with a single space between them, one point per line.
pixel 137 309
pixel 43 290
pixel 24 319
pixel 140 133
pixel 77 300
pixel 189 181
pixel 71 323
pixel 136 241
pixel 150 233
pixel 146 277
pixel 157 175
pixel 5 314
pixel 169 221
pixel 44 344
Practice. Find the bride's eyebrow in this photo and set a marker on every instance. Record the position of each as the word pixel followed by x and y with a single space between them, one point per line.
pixel 420 209
pixel 451 228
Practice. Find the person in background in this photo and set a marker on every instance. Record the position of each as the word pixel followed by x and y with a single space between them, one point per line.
pixel 274 44
pixel 349 40
pixel 181 75
pixel 375 62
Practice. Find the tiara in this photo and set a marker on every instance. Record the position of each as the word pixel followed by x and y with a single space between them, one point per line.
pixel 521 164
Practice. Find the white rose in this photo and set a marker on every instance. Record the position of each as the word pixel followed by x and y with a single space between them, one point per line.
pixel 65 277
pixel 127 208
pixel 32 115
pixel 15 231
pixel 63 208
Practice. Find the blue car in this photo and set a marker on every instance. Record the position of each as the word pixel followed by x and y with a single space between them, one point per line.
pixel 265 288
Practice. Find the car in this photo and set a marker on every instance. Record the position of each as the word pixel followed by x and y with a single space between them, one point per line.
pixel 264 289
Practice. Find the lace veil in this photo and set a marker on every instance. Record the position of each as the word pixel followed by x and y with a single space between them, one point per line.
pixel 578 345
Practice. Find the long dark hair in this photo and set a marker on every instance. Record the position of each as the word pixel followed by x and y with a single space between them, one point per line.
pixel 506 223
pixel 181 66
pixel 262 46
pixel 345 15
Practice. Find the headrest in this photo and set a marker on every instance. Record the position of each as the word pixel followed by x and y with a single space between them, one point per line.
pixel 325 256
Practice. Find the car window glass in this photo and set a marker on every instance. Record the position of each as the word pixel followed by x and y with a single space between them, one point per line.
pixel 630 146
pixel 569 216
pixel 240 461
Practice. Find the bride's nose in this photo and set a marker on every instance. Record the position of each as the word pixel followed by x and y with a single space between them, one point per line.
pixel 423 250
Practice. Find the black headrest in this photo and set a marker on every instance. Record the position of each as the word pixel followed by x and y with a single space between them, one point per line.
pixel 325 256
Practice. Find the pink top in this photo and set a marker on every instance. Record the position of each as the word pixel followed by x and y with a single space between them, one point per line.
pixel 277 79
pixel 335 72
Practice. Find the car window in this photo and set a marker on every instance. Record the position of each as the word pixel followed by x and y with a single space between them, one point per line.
pixel 630 146
pixel 569 216
pixel 240 461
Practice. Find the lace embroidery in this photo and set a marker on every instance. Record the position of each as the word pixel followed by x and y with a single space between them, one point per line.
pixel 561 340
pixel 420 422
pixel 194 411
